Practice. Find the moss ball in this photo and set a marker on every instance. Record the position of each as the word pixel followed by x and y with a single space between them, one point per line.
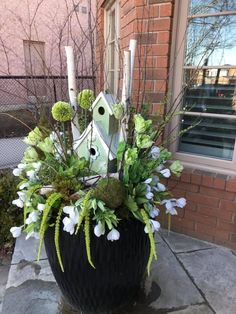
pixel 110 191
pixel 62 111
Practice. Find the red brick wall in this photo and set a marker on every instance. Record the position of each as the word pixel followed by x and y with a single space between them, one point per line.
pixel 211 198
pixel 210 213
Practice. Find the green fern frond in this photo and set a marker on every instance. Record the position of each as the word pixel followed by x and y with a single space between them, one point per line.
pixel 84 210
pixel 87 237
pixel 48 205
pixel 151 240
pixel 56 238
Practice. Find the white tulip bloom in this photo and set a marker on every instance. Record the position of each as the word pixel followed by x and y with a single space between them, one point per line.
pixel 31 174
pixel 22 195
pixel 159 187
pixel 148 181
pixel 170 206
pixel 155 152
pixel 149 195
pixel 40 207
pixel 154 212
pixel 17 172
pixel 18 202
pixel 33 217
pixel 69 225
pixel 113 235
pixel 155 226
pixel 159 168
pixel 16 231
pixel 166 173
pixel 99 229
pixel 181 202
pixel 21 166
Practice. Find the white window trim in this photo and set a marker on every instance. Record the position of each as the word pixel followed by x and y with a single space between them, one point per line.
pixel 110 6
pixel 175 86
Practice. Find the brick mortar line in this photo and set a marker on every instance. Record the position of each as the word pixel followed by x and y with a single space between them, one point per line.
pixel 190 277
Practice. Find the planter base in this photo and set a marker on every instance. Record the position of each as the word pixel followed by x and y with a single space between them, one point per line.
pixel 120 268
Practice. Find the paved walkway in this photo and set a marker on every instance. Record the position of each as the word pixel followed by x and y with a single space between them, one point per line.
pixel 194 277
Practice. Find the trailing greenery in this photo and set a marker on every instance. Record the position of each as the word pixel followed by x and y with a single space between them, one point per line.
pixel 56 238
pixel 52 199
pixel 151 240
pixel 84 209
pixel 87 237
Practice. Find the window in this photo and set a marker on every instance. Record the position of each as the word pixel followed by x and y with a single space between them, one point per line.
pixel 112 33
pixel 205 75
pixel 34 53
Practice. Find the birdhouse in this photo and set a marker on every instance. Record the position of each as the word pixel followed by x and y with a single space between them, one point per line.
pixel 103 113
pixel 99 141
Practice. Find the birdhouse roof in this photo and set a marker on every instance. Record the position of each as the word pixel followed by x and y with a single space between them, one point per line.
pixel 109 142
pixel 109 100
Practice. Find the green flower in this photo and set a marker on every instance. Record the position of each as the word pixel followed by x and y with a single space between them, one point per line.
pixel 30 155
pixel 62 111
pixel 34 137
pixel 118 111
pixel 176 168
pixel 140 124
pixel 130 156
pixel 143 141
pixel 85 98
pixel 46 146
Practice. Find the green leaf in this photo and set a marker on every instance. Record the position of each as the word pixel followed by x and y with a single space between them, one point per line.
pixel 131 204
pixel 120 150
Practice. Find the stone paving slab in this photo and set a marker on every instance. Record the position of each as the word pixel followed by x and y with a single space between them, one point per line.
pixel 176 287
pixel 214 272
pixel 27 250
pixel 4 269
pixel 195 309
pixel 181 243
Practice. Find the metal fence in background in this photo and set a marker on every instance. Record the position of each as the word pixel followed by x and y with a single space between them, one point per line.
pixel 21 101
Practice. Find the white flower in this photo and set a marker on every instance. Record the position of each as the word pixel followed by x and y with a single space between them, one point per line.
pixel 155 226
pixel 113 235
pixel 31 174
pixel 28 204
pixel 21 166
pixel 16 231
pixel 159 187
pixel 170 206
pixel 69 225
pixel 148 181
pixel 99 229
pixel 22 195
pixel 71 221
pixel 181 202
pixel 154 212
pixel 155 152
pixel 18 202
pixel 166 173
pixel 53 137
pixel 17 172
pixel 32 235
pixel 33 217
pixel 23 185
pixel 149 195
pixel 40 207
pixel 36 165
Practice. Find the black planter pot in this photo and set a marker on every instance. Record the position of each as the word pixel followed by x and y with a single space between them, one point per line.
pixel 120 267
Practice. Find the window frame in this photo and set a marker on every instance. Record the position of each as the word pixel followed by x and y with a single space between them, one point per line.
pixel 113 5
pixel 177 68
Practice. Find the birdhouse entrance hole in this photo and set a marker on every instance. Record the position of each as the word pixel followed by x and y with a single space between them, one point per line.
pixel 92 151
pixel 101 110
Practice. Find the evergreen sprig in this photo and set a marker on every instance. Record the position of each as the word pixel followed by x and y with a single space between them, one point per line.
pixel 87 237
pixel 56 237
